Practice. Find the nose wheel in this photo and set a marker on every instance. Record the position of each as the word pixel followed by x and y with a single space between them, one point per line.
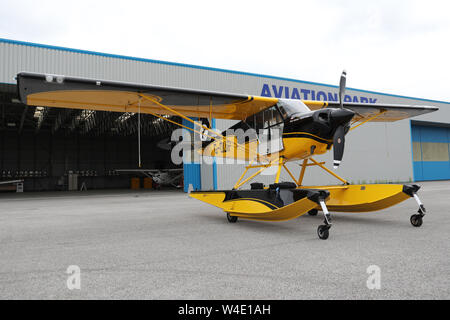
pixel 417 219
pixel 323 231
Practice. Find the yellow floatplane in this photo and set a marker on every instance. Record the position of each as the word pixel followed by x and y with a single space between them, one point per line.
pixel 302 128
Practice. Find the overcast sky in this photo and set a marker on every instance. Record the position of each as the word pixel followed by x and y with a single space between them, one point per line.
pixel 400 47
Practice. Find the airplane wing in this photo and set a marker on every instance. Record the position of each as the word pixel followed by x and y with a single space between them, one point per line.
pixel 174 178
pixel 173 170
pixel 363 111
pixel 80 93
pixel 144 172
pixel 11 181
pixel 150 171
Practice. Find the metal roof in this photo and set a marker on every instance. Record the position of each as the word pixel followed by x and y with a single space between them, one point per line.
pixel 115 56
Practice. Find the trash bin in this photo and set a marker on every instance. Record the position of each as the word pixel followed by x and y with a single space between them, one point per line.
pixel 135 183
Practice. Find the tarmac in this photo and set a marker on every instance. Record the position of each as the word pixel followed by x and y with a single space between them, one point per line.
pixel 164 245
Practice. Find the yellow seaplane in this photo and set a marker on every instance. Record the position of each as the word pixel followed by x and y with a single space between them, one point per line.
pixel 304 128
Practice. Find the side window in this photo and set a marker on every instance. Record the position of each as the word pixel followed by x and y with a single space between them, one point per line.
pixel 278 115
pixel 273 117
pixel 259 120
pixel 265 118
pixel 282 111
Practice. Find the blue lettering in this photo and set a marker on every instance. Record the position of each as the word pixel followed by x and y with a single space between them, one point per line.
pixel 321 96
pixel 265 91
pixel 277 93
pixel 295 94
pixel 309 94
pixel 305 93
pixel 332 96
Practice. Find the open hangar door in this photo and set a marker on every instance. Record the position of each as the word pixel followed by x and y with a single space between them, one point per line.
pixel 431 151
pixel 43 146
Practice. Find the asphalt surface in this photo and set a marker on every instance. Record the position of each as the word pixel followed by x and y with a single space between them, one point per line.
pixel 164 245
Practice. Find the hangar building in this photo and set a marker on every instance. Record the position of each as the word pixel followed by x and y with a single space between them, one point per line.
pixel 42 145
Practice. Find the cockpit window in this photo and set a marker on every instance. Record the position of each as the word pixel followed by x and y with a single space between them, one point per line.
pixel 264 119
pixel 283 111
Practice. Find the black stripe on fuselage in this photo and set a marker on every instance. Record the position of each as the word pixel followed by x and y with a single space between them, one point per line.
pixel 305 135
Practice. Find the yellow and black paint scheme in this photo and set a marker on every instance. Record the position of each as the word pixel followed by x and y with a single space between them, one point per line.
pixel 367 197
pixel 306 128
pixel 104 95
pixel 301 137
pixel 277 203
pixel 296 146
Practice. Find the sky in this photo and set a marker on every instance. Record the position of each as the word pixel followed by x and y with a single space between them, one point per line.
pixel 398 47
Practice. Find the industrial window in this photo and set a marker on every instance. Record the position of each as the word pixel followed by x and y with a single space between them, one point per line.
pixel 435 151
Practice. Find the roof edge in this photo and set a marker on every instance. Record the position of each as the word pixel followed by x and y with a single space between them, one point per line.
pixel 117 56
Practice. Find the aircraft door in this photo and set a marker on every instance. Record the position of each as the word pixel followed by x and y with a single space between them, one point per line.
pixel 270 133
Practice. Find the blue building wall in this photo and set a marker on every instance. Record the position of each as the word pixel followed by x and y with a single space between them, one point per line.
pixel 192 171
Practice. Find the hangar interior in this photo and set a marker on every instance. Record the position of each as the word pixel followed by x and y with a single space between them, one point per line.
pixel 43 146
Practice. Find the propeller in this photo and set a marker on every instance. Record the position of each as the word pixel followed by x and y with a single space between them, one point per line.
pixel 342 83
pixel 338 146
pixel 341 117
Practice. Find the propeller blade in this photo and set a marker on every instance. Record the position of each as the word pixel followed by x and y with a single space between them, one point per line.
pixel 342 84
pixel 338 146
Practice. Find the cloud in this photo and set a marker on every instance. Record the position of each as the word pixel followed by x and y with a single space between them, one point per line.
pixel 398 47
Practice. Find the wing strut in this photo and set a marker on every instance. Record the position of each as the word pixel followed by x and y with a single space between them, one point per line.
pixel 369 119
pixel 196 123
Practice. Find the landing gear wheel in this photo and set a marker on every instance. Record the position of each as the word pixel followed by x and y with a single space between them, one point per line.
pixel 322 232
pixel 231 219
pixel 416 220
pixel 313 212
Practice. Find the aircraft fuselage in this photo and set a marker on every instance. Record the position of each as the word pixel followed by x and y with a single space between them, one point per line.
pixel 287 130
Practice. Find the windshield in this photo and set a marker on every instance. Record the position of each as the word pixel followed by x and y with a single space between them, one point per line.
pixel 289 107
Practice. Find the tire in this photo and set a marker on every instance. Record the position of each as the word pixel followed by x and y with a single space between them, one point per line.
pixel 322 232
pixel 231 219
pixel 416 220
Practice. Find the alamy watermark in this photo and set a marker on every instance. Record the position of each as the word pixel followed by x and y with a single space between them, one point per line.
pixel 74 278
pixel 374 280
pixel 234 146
